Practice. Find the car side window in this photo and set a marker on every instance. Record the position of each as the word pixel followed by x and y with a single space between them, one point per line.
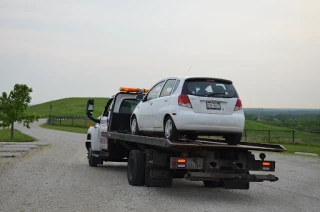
pixel 167 88
pixel 176 86
pixel 153 93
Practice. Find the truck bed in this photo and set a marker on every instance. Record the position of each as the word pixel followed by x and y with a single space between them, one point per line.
pixel 201 143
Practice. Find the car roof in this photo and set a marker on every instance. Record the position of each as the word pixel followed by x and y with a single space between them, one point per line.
pixel 188 77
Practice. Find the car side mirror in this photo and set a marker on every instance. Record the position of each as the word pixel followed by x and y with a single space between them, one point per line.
pixel 90 106
pixel 140 97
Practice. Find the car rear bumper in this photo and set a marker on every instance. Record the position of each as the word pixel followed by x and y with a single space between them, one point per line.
pixel 187 120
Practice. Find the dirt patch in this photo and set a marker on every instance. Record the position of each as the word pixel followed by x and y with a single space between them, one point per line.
pixel 9 161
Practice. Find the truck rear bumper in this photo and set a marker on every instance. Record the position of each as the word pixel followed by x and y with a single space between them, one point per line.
pixel 205 176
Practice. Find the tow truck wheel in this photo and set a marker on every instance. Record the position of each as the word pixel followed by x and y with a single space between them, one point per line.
pixel 134 126
pixel 136 168
pixel 93 162
pixel 211 184
pixel 170 130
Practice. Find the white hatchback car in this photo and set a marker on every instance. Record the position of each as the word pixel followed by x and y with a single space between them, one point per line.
pixel 190 106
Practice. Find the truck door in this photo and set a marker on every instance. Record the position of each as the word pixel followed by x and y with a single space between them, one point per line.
pixel 160 104
pixel 104 123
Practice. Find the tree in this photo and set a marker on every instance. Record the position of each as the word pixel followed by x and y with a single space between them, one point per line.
pixel 13 108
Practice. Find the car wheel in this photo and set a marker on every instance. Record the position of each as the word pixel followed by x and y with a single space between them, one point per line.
pixel 170 130
pixel 234 139
pixel 134 126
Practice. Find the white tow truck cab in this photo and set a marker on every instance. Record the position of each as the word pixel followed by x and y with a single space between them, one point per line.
pixel 117 111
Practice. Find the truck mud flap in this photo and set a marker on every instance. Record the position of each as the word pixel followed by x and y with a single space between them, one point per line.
pixel 155 175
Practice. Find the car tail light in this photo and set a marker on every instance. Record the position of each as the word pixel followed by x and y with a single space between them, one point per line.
pixel 238 105
pixel 184 101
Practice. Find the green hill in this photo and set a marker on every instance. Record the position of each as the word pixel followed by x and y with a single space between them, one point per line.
pixel 68 107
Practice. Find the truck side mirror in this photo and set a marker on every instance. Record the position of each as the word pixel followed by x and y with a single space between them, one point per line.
pixel 90 106
pixel 140 97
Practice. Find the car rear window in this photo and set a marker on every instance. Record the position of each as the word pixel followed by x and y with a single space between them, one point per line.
pixel 209 87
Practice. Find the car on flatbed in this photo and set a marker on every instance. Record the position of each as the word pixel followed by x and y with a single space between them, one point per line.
pixel 190 107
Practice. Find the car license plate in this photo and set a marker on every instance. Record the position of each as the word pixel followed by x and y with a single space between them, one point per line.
pixel 213 106
pixel 194 163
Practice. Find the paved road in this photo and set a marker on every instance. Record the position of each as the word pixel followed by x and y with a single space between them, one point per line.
pixel 58 178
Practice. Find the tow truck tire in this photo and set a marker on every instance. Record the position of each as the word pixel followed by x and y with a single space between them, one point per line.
pixel 136 168
pixel 170 130
pixel 234 139
pixel 93 162
pixel 134 126
pixel 211 184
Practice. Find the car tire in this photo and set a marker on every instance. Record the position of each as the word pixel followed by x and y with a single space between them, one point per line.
pixel 134 126
pixel 136 168
pixel 170 130
pixel 192 136
pixel 234 139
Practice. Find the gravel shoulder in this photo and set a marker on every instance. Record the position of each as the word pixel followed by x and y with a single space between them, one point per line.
pixel 58 178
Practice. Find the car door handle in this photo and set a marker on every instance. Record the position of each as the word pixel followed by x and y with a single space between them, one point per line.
pixel 151 103
pixel 165 100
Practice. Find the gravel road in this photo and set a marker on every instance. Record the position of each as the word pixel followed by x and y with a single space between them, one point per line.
pixel 58 178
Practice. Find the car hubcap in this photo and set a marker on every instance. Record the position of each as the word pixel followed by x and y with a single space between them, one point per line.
pixel 133 126
pixel 168 128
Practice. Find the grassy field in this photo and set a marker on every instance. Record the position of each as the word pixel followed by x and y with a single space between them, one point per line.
pixel 18 136
pixel 67 107
pixel 291 148
pixel 282 134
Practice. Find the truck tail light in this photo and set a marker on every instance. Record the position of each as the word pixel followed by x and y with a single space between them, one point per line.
pixel 184 101
pixel 265 163
pixel 181 160
pixel 182 163
pixel 238 105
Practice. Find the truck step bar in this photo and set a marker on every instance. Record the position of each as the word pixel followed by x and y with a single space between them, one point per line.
pixel 205 176
pixel 194 144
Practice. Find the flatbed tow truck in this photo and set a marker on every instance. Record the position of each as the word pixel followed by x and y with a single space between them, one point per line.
pixel 154 161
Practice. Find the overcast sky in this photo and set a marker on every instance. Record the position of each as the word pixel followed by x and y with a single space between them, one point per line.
pixel 269 49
